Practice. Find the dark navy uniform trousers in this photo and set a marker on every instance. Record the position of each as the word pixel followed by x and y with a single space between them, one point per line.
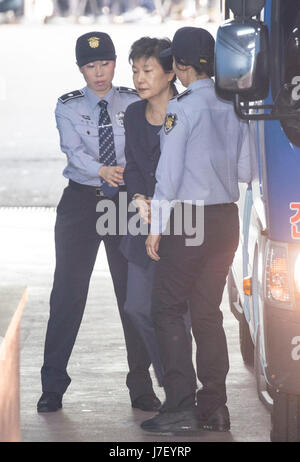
pixel 77 243
pixel 197 273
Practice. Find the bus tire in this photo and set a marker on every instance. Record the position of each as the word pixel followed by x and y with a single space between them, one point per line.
pixel 264 390
pixel 246 344
pixel 285 418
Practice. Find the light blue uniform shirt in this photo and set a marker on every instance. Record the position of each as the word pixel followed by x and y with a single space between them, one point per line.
pixel 77 117
pixel 204 151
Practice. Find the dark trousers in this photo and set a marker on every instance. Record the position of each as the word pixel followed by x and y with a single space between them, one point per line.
pixel 198 274
pixel 77 243
pixel 138 307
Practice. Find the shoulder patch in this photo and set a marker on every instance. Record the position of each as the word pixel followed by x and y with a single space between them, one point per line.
pixel 170 122
pixel 127 90
pixel 72 95
pixel 183 94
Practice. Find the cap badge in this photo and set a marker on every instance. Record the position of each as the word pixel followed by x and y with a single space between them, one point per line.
pixel 170 122
pixel 94 42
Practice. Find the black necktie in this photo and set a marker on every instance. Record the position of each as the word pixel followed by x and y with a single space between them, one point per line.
pixel 107 153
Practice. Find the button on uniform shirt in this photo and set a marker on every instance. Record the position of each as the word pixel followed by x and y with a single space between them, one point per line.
pixel 77 118
pixel 204 152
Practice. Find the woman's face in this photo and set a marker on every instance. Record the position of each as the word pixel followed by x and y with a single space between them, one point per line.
pixel 149 78
pixel 98 76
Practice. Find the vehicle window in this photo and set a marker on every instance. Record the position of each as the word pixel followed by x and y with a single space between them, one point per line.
pixel 290 27
pixel 285 67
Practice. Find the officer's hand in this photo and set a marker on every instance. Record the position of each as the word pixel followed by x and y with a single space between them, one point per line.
pixel 143 206
pixel 113 175
pixel 152 246
pixel 148 217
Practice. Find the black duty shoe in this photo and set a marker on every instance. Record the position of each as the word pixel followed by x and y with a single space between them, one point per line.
pixel 49 402
pixel 218 421
pixel 163 407
pixel 147 402
pixel 172 422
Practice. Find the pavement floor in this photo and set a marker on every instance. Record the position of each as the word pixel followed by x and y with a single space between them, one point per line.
pixel 96 407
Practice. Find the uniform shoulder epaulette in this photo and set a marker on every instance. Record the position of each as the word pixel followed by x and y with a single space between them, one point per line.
pixel 183 94
pixel 127 90
pixel 71 95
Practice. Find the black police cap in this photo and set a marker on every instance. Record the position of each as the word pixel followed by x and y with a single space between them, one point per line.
pixel 94 46
pixel 191 46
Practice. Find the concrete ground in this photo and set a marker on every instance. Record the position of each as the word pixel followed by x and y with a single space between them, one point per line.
pixel 96 407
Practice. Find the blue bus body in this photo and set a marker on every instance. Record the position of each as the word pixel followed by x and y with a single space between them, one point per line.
pixel 269 251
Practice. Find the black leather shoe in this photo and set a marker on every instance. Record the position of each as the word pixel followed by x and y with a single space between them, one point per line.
pixel 147 402
pixel 49 402
pixel 163 407
pixel 218 421
pixel 172 422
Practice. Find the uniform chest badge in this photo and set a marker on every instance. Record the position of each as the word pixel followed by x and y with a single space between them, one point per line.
pixel 120 118
pixel 94 42
pixel 170 122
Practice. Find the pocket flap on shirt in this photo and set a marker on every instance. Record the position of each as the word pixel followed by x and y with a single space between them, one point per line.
pixel 86 130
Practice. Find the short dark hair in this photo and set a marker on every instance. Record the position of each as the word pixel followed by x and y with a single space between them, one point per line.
pixel 202 68
pixel 147 47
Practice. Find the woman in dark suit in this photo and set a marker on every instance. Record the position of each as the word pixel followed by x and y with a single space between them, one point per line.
pixel 153 78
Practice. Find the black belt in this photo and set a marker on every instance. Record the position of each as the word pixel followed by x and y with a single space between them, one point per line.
pixel 220 205
pixel 225 204
pixel 95 190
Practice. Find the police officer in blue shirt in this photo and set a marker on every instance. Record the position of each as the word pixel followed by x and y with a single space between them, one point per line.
pixel 204 153
pixel 90 125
